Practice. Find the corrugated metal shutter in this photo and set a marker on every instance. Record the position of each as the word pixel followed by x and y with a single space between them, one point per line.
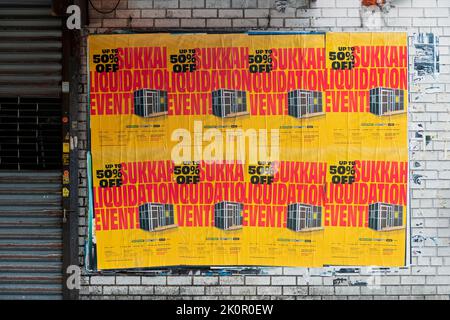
pixel 30 193
pixel 30 51
pixel 30 235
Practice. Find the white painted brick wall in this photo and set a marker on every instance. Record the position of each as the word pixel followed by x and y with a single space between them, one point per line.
pixel 427 278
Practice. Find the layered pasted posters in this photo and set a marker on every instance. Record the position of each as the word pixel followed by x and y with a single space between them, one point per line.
pixel 240 149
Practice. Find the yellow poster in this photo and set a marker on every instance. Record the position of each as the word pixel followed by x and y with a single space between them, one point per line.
pixel 249 149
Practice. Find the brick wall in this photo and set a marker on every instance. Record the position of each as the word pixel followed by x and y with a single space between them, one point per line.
pixel 429 275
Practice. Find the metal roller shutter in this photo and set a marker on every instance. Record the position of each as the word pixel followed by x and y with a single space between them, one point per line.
pixel 30 151
pixel 30 52
pixel 30 235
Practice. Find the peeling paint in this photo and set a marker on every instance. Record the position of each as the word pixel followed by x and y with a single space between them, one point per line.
pixel 348 270
pixel 358 283
pixel 419 132
pixel 282 5
pixel 420 90
pixel 417 179
pixel 421 239
pixel 384 5
pixel 372 18
pixel 339 281
pixel 373 13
